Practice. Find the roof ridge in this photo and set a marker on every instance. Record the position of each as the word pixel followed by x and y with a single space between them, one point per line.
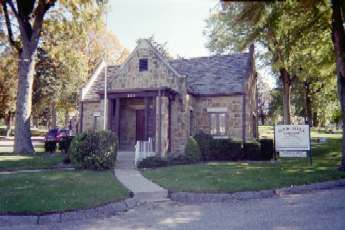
pixel 211 56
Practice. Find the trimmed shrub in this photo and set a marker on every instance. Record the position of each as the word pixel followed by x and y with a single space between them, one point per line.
pixel 65 143
pixel 192 151
pixel 226 150
pixel 267 149
pixel 179 160
pixel 152 162
pixel 93 150
pixel 252 151
pixel 50 146
pixel 204 140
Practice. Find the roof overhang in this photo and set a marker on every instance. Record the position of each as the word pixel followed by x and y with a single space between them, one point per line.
pixel 139 93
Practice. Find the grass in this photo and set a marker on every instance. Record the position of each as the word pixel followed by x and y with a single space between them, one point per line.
pixel 268 132
pixel 58 191
pixel 234 176
pixel 10 161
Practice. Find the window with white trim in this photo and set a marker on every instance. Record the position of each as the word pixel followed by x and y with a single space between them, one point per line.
pixel 217 124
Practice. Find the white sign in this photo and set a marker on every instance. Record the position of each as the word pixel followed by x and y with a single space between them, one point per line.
pixel 292 137
pixel 292 154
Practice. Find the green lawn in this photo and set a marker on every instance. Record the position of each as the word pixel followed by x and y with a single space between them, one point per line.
pixel 10 161
pixel 57 191
pixel 268 132
pixel 233 177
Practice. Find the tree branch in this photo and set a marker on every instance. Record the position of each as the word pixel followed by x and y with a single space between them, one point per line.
pixel 42 8
pixel 11 40
pixel 15 12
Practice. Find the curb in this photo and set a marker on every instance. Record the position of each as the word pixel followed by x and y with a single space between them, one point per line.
pixel 107 210
pixel 10 172
pixel 192 197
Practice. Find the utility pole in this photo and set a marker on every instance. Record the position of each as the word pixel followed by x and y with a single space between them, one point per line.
pixel 105 109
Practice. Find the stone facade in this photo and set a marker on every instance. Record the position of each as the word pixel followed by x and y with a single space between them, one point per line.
pixel 171 95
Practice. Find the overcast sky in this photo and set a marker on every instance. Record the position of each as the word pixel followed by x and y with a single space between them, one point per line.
pixel 180 23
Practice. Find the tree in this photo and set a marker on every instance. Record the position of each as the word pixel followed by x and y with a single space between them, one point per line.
pixel 273 25
pixel 161 47
pixel 8 85
pixel 263 99
pixel 87 39
pixel 309 17
pixel 29 16
pixel 46 87
pixel 338 37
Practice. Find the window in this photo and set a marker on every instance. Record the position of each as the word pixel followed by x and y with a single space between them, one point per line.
pixel 143 65
pixel 217 124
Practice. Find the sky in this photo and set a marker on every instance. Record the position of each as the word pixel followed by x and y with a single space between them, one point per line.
pixel 180 23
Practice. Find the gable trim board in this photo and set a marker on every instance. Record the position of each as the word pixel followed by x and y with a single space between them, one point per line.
pixel 168 91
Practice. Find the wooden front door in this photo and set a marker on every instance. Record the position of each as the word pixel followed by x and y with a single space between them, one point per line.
pixel 140 125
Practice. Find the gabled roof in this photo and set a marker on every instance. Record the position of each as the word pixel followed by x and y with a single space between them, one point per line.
pixel 96 82
pixel 215 75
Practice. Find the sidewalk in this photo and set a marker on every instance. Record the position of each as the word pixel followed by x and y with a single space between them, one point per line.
pixel 142 188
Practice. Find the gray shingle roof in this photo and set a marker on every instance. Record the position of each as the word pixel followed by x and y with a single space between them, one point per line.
pixel 220 74
pixel 214 75
pixel 98 84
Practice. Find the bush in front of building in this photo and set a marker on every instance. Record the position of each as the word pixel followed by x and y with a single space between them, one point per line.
pixel 267 149
pixel 152 162
pixel 178 160
pixel 192 151
pixel 93 150
pixel 252 151
pixel 226 150
pixel 229 150
pixel 50 146
pixel 204 140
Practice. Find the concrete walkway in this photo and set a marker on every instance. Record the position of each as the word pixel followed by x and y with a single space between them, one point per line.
pixel 142 188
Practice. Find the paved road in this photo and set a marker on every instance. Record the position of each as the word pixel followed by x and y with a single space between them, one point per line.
pixel 318 210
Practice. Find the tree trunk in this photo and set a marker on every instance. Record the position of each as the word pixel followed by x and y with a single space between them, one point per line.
pixel 262 117
pixel 307 107
pixel 53 115
pixel 285 77
pixel 338 37
pixel 66 118
pixel 22 141
pixel 8 119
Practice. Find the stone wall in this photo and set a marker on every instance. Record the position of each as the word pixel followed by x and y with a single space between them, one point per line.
pixel 89 109
pixel 179 123
pixel 158 73
pixel 233 104
pixel 162 122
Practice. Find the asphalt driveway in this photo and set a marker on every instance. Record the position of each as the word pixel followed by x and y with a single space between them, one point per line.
pixel 316 210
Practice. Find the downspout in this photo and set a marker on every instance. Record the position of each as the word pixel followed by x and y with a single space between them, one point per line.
pixel 159 122
pixel 81 115
pixel 243 119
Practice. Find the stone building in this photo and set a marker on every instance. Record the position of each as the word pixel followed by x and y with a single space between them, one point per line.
pixel 149 96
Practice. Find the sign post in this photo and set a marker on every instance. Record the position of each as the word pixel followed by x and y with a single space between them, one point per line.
pixel 293 141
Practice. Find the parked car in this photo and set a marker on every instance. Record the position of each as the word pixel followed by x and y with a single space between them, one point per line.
pixel 56 134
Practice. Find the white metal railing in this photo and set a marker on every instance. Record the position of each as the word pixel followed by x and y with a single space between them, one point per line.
pixel 143 149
